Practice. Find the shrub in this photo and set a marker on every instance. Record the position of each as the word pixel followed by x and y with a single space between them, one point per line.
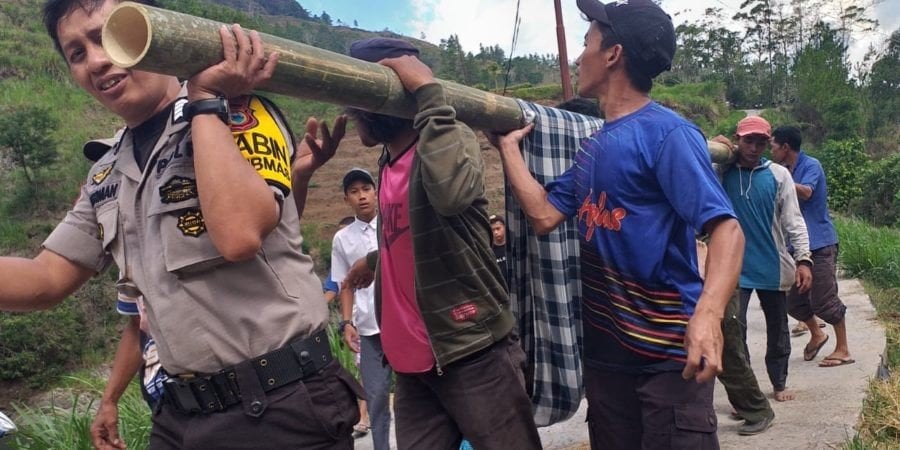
pixel 37 347
pixel 880 202
pixel 24 134
pixel 846 168
pixel 532 93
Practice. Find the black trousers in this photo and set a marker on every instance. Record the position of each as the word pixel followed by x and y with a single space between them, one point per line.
pixel 778 339
pixel 316 413
pixel 481 397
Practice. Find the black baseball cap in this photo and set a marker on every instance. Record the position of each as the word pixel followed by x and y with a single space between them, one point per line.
pixel 645 30
pixel 96 148
pixel 357 174
pixel 376 49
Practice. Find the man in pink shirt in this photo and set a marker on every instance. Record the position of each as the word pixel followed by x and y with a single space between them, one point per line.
pixel 442 304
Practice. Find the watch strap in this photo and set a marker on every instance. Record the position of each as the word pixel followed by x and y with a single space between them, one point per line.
pixel 217 106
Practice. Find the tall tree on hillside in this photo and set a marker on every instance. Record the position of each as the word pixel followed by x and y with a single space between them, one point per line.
pixel 825 94
pixel 758 16
pixel 884 89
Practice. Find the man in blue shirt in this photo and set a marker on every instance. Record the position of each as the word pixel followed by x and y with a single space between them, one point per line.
pixel 640 188
pixel 822 299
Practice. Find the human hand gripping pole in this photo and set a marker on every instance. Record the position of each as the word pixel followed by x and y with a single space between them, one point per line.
pixel 245 66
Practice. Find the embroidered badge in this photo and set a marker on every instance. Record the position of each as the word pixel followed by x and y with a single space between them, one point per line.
pixel 242 117
pixel 101 175
pixel 464 312
pixel 191 223
pixel 178 110
pixel 178 189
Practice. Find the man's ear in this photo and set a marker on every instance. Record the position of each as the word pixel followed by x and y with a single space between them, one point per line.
pixel 616 55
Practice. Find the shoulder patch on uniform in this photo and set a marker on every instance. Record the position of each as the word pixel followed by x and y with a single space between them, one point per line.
pixel 191 223
pixel 178 109
pixel 101 175
pixel 178 189
pixel 242 117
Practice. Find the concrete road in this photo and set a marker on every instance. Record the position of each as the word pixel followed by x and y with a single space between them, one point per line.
pixel 828 401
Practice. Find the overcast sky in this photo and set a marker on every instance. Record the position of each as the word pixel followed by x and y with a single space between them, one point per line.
pixel 490 22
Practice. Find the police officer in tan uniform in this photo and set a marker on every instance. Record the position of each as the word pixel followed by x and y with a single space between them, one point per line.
pixel 193 204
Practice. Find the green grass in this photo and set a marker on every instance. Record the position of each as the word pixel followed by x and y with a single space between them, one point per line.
pixel 56 427
pixel 873 254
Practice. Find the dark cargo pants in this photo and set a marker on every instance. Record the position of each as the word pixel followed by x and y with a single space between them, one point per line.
pixel 737 377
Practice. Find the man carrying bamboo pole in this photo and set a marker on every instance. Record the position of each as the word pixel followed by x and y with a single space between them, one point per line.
pixel 443 309
pixel 193 204
pixel 640 188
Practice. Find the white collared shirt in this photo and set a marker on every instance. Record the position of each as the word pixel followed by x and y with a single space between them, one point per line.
pixel 349 245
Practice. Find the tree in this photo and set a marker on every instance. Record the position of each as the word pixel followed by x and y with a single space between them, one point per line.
pixel 25 137
pixel 823 84
pixel 325 18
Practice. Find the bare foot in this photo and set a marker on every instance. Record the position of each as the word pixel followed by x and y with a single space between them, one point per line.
pixel 784 396
pixel 842 355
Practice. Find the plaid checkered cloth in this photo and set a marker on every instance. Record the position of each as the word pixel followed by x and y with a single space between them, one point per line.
pixel 544 275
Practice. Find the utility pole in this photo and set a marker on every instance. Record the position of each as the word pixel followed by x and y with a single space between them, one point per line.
pixel 563 57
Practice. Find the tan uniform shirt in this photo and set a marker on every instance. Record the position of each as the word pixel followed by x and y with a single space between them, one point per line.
pixel 204 312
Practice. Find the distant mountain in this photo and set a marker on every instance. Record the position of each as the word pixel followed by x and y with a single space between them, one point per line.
pixel 268 7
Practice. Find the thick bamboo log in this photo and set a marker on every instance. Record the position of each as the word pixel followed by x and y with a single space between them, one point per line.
pixel 156 40
pixel 142 37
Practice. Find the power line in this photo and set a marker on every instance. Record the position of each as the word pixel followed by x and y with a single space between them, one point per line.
pixel 512 47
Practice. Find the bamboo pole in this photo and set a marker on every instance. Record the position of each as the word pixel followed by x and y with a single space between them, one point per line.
pixel 145 38
pixel 141 37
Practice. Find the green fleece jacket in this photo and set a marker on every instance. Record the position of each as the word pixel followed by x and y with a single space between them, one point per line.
pixel 459 287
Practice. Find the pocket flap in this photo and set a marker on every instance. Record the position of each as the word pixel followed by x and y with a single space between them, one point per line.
pixel 694 418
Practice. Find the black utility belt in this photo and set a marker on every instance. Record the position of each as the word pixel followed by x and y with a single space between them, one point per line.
pixel 294 362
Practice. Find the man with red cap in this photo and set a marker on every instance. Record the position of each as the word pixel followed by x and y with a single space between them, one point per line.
pixel 641 188
pixel 765 202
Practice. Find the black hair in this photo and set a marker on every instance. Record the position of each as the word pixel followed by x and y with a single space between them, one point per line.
pixel 640 81
pixel 346 221
pixel 56 10
pixel 381 127
pixel 496 218
pixel 581 105
pixel 788 135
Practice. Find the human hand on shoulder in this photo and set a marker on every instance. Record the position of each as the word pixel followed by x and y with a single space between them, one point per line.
pixel 313 152
pixel 245 66
pixel 413 72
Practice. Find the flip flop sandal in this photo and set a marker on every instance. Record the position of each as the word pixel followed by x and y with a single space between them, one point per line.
pixel 809 354
pixel 841 362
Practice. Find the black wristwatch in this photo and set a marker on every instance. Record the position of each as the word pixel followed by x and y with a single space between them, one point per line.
pixel 217 106
pixel 343 324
